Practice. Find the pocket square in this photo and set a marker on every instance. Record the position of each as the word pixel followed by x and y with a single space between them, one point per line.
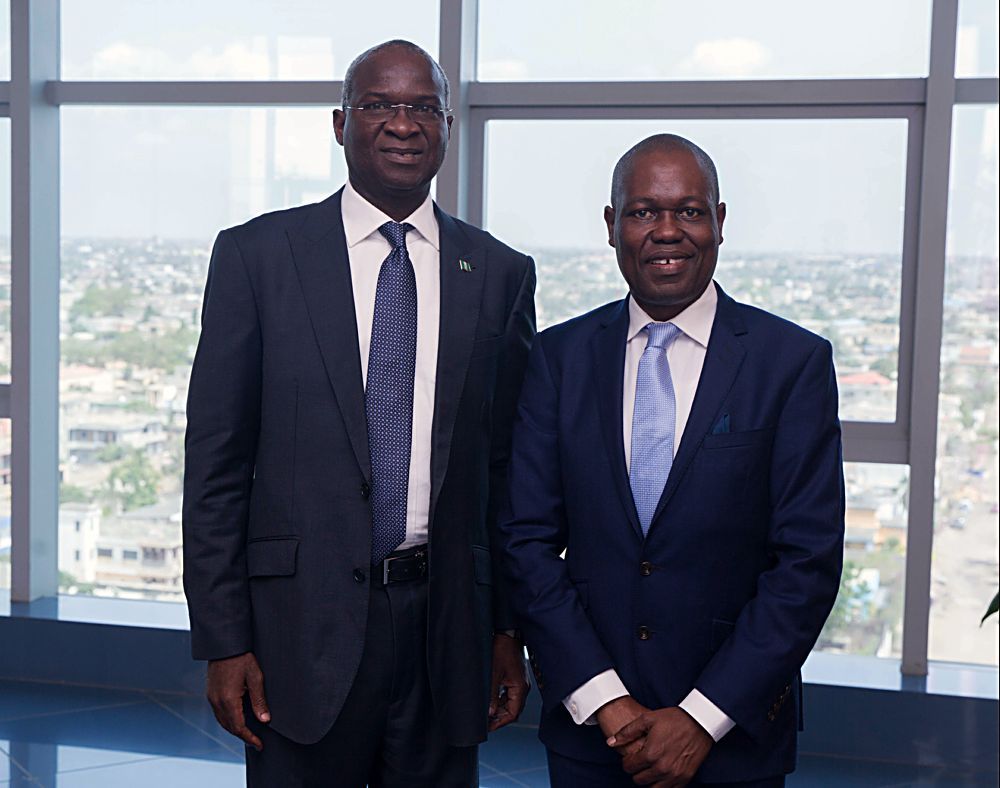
pixel 722 425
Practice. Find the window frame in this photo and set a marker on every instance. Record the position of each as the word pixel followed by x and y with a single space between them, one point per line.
pixel 927 104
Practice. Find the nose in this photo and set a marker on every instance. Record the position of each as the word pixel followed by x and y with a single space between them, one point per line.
pixel 667 229
pixel 401 124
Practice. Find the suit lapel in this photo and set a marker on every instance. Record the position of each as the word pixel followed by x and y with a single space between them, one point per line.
pixel 608 349
pixel 723 359
pixel 319 249
pixel 463 271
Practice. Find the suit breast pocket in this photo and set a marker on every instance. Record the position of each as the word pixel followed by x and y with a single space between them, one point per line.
pixel 733 440
pixel 484 348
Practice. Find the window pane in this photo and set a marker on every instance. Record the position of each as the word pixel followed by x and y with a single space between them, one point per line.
pixel 144 192
pixel 727 39
pixel 977 39
pixel 232 39
pixel 867 618
pixel 813 230
pixel 964 571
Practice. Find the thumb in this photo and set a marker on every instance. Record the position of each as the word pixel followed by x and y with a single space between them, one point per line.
pixel 255 689
pixel 630 733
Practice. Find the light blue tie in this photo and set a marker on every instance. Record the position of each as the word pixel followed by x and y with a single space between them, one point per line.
pixel 653 423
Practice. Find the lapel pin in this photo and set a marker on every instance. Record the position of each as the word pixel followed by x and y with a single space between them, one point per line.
pixel 464 266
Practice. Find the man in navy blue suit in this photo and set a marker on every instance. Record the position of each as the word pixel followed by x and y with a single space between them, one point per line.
pixel 684 450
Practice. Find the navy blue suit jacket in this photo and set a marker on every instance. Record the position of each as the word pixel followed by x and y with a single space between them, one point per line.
pixel 745 548
pixel 277 517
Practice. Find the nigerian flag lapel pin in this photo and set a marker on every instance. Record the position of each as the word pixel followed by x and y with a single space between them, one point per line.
pixel 464 266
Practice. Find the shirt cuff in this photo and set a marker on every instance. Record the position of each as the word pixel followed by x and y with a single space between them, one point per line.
pixel 707 715
pixel 583 704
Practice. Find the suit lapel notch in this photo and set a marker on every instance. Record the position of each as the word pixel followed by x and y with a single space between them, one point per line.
pixel 723 360
pixel 319 252
pixel 608 350
pixel 462 276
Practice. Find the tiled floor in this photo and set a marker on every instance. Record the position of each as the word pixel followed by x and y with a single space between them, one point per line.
pixel 74 737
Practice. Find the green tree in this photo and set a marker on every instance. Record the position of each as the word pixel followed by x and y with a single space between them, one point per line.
pixel 132 483
pixel 113 301
pixel 71 493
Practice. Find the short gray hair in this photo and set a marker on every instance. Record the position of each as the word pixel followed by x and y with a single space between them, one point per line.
pixel 663 142
pixel 346 99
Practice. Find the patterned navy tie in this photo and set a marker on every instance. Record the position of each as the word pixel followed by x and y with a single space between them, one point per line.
pixel 389 391
pixel 653 423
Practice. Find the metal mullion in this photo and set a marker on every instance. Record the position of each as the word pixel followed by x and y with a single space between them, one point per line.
pixel 745 112
pixel 457 48
pixel 34 391
pixel 984 90
pixel 778 92
pixel 232 93
pixel 927 323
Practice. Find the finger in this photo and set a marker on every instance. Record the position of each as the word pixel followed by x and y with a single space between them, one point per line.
pixel 630 749
pixel 516 696
pixel 496 687
pixel 255 688
pixel 629 733
pixel 243 732
pixel 501 715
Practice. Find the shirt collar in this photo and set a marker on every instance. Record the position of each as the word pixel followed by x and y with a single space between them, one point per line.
pixel 361 218
pixel 695 321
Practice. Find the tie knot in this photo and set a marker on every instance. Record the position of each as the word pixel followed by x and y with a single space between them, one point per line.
pixel 661 334
pixel 395 233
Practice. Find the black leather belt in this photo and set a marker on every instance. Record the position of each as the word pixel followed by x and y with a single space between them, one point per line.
pixel 401 567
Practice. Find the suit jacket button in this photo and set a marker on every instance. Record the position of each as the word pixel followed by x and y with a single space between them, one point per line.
pixel 359 576
pixel 644 633
pixel 366 490
pixel 645 569
pixel 770 716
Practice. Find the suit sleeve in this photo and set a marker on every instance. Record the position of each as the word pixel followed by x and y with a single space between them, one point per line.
pixel 223 418
pixel 534 536
pixel 519 334
pixel 754 668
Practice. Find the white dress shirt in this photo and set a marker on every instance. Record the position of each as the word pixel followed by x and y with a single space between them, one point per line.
pixel 366 250
pixel 686 356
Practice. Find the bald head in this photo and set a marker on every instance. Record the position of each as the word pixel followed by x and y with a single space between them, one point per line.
pixel 397 43
pixel 665 143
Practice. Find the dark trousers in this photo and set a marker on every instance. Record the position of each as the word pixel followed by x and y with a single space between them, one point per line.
pixel 570 773
pixel 387 735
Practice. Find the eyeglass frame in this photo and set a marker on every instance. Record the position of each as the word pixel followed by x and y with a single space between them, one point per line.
pixel 440 113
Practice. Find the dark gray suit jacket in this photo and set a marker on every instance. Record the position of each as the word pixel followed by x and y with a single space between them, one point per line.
pixel 277 521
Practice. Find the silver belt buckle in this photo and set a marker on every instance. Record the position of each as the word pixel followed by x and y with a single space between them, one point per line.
pixel 385 570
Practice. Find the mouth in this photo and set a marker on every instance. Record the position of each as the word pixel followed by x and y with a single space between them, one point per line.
pixel 402 155
pixel 667 262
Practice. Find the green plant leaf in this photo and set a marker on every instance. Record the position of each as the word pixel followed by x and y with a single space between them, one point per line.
pixel 994 606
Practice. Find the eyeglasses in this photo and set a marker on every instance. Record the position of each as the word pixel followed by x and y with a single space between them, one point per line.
pixel 383 111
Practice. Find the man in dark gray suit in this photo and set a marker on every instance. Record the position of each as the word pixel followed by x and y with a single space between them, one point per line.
pixel 349 424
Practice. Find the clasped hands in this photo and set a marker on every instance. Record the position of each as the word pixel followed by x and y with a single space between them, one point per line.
pixel 662 747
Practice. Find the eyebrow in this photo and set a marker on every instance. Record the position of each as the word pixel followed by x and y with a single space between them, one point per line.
pixel 424 98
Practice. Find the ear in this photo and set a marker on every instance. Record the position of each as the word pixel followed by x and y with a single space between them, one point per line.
pixel 720 213
pixel 449 120
pixel 339 117
pixel 609 220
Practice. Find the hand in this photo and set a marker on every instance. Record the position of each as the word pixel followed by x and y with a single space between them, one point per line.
pixel 615 715
pixel 674 747
pixel 228 679
pixel 509 685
